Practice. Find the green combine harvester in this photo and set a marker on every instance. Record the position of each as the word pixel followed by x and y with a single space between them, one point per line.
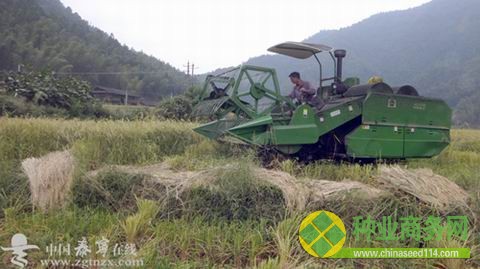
pixel 349 121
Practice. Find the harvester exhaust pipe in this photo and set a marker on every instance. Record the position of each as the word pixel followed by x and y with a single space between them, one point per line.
pixel 340 54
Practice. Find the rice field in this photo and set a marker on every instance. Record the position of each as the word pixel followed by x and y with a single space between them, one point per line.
pixel 234 223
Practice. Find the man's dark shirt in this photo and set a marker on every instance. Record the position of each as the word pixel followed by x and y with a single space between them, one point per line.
pixel 303 96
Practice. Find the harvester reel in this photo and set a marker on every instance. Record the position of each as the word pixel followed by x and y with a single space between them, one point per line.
pixel 256 98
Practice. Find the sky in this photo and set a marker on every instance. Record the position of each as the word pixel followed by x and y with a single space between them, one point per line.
pixel 213 34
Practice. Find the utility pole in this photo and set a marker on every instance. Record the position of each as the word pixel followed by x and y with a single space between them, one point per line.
pixel 188 68
pixel 193 68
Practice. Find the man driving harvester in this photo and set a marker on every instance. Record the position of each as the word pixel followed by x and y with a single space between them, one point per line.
pixel 303 92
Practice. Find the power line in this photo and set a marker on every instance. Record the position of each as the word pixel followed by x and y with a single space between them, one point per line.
pixel 21 68
pixel 107 73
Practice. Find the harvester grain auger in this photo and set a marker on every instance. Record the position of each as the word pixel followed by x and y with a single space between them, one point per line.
pixel 352 121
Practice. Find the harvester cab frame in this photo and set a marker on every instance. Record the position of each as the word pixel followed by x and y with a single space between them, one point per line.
pixel 302 50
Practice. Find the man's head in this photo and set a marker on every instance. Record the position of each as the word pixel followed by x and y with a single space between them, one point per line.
pixel 295 78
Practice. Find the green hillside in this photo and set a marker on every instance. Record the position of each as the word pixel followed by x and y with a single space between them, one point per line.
pixel 434 47
pixel 44 34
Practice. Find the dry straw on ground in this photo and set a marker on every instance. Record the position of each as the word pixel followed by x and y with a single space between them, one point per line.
pixel 50 179
pixel 428 187
pixel 298 194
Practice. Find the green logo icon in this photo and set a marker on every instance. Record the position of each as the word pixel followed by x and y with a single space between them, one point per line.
pixel 322 234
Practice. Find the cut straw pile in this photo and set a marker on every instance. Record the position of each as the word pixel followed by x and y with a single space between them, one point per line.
pixel 299 194
pixel 51 177
pixel 428 187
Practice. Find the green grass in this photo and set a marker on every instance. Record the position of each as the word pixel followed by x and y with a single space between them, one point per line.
pixel 234 222
pixel 109 191
pixel 235 194
pixel 208 154
pixel 329 171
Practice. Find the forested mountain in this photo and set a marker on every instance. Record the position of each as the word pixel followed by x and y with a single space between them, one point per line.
pixel 435 47
pixel 44 34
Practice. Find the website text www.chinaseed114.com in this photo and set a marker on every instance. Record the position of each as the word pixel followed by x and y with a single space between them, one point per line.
pixel 406 253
